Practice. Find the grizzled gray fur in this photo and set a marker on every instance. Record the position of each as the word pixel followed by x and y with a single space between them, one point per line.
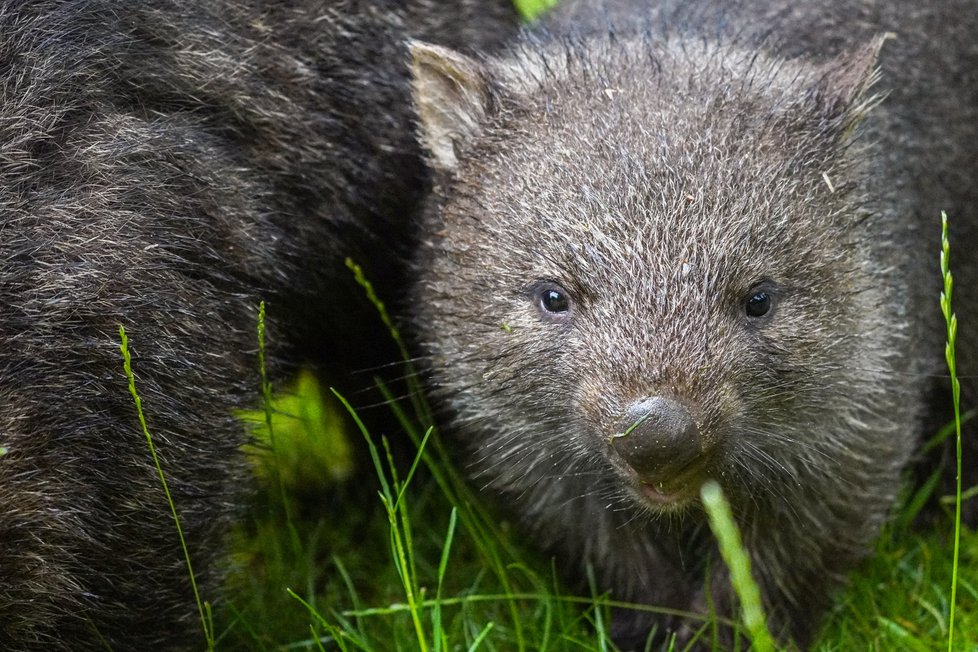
pixel 680 241
pixel 165 165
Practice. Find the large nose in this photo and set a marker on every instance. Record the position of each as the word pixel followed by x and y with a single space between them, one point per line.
pixel 658 437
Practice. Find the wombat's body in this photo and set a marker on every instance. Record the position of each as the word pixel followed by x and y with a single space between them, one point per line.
pixel 165 165
pixel 686 245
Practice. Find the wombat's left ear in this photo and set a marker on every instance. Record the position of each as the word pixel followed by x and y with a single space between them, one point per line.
pixel 451 94
pixel 841 91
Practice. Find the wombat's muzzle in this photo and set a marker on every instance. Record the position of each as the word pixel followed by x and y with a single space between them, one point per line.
pixel 658 439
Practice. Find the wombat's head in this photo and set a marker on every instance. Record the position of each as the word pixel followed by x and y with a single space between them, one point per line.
pixel 649 264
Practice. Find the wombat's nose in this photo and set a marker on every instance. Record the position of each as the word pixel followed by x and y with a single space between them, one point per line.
pixel 658 438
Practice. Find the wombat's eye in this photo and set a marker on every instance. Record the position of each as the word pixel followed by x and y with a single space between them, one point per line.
pixel 553 301
pixel 758 304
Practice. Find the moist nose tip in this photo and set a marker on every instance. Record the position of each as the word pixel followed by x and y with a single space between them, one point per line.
pixel 657 435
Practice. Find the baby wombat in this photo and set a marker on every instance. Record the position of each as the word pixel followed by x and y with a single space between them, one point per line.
pixel 166 164
pixel 691 241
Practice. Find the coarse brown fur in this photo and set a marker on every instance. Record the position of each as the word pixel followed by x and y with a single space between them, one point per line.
pixel 680 241
pixel 166 165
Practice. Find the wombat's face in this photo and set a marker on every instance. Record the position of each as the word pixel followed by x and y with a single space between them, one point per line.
pixel 647 275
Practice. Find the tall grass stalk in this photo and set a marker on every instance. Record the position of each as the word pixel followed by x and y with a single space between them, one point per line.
pixel 392 494
pixel 952 333
pixel 441 642
pixel 203 608
pixel 421 410
pixel 472 514
pixel 267 405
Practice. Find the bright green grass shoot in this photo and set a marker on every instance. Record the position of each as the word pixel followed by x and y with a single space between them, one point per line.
pixel 529 9
pixel 734 555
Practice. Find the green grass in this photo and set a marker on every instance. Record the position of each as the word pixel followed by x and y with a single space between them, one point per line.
pixel 388 571
pixel 409 576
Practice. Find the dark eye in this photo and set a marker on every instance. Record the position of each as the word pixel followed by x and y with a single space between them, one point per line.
pixel 552 300
pixel 758 304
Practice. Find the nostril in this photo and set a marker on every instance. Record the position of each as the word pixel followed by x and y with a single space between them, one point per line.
pixel 658 436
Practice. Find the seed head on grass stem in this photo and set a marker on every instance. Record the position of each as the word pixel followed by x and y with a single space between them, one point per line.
pixel 203 608
pixel 952 334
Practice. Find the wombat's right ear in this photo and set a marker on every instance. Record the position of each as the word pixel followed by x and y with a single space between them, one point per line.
pixel 450 93
pixel 843 87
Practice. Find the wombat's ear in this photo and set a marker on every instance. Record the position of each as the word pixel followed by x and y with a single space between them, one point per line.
pixel 841 90
pixel 450 93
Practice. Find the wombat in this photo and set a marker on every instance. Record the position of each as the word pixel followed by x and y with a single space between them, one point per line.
pixel 165 165
pixel 680 241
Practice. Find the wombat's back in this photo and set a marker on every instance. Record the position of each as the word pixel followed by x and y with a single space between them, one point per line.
pixel 165 165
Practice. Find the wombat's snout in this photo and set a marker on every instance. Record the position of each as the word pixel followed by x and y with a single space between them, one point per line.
pixel 658 438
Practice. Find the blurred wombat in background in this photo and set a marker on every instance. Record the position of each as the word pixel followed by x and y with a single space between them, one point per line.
pixel 679 241
pixel 167 164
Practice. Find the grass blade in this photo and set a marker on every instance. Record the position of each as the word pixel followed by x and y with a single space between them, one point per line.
pixel 203 608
